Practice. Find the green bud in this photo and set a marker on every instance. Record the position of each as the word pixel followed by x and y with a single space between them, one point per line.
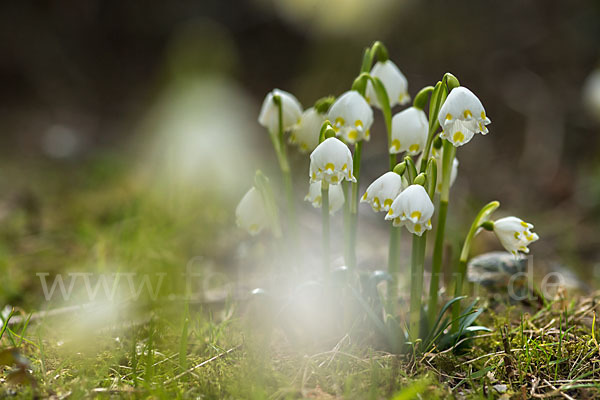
pixel 438 142
pixel 366 61
pixel 326 124
pixel 379 51
pixel 437 99
pixel 488 225
pixel 400 168
pixel 329 133
pixel 431 176
pixel 277 100
pixel 360 83
pixel 422 97
pixel 410 169
pixel 420 179
pixel 451 81
pixel 323 104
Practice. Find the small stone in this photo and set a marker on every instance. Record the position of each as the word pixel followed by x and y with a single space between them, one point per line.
pixel 500 388
pixel 495 269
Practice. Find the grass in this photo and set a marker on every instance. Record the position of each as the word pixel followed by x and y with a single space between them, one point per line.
pixel 106 220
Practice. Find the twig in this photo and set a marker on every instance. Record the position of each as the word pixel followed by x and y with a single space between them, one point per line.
pixel 554 392
pixel 201 364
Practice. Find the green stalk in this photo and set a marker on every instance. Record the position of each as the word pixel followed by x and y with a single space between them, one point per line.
pixel 460 273
pixel 416 284
pixel 347 248
pixel 280 149
pixel 438 97
pixel 326 235
pixel 393 269
pixel 438 249
pixel 353 220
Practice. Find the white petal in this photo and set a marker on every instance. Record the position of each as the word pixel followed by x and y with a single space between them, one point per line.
pixel 382 192
pixel 459 132
pixel 461 103
pixel 351 117
pixel 250 212
pixel 461 116
pixel 306 133
pixel 412 205
pixel 336 196
pixel 418 228
pixel 409 131
pixel 269 112
pixel 393 80
pixel 331 161
pixel 314 194
pixel 514 234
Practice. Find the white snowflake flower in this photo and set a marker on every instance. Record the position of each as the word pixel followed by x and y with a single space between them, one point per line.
pixel 409 131
pixel 381 193
pixel 269 112
pixel 336 196
pixel 393 80
pixel 461 116
pixel 438 155
pixel 412 208
pixel 250 213
pixel 331 162
pixel 514 234
pixel 306 133
pixel 351 117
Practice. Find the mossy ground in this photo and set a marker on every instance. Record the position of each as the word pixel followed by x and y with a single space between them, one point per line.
pixel 101 219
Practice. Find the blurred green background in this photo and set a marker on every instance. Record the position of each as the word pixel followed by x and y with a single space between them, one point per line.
pixel 101 99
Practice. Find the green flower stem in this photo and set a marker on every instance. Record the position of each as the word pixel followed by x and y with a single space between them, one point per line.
pixel 326 235
pixel 347 249
pixel 460 273
pixel 356 173
pixel 360 84
pixel 438 97
pixel 416 284
pixel 393 268
pixel 436 266
pixel 438 248
pixel 280 149
pixel 353 219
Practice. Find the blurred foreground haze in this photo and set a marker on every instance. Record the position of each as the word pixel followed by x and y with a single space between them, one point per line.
pixel 175 88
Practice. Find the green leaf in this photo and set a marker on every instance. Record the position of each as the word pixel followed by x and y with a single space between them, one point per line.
pixel 422 97
pixel 411 169
pixel 437 99
pixel 431 176
pixel 384 101
pixel 481 373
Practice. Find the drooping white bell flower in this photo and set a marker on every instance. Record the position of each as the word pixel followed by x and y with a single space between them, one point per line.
pixel 461 116
pixel 331 162
pixel 409 131
pixel 381 193
pixel 250 213
pixel 591 94
pixel 514 234
pixel 351 117
pixel 438 155
pixel 269 112
pixel 336 196
pixel 393 80
pixel 306 133
pixel 412 208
